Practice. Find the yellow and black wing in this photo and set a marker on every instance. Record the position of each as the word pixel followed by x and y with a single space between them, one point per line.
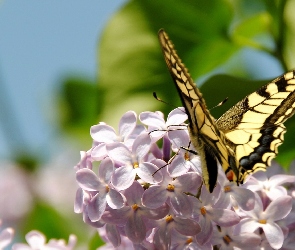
pixel 254 126
pixel 204 135
pixel 246 138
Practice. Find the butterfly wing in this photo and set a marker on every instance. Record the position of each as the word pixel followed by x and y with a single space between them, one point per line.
pixel 205 137
pixel 254 126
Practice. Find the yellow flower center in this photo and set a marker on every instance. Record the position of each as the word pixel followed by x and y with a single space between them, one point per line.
pixel 189 240
pixel 169 218
pixel 135 207
pixel 227 189
pixel 170 187
pixel 203 210
pixel 186 156
pixel 227 239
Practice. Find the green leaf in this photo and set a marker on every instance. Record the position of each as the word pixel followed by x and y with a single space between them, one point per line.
pixel 81 101
pixel 52 224
pixel 254 31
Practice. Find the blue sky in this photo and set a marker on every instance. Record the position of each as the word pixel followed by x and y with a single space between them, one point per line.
pixel 42 41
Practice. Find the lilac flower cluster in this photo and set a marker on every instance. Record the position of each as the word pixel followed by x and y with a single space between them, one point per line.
pixel 37 241
pixel 142 188
pixel 6 236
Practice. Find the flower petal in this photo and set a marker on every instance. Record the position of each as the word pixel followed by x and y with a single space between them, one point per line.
pixel 123 177
pixel 21 246
pixel 152 119
pixel 78 206
pixel 35 239
pixel 162 238
pixel 179 138
pixel 189 182
pixel 134 194
pixel 116 216
pixel 96 207
pixel 207 230
pixel 181 204
pixel 141 145
pixel 148 173
pixel 244 197
pixel 6 236
pixel 274 235
pixel 99 152
pixel 186 227
pixel 247 240
pixel 178 166
pixel 113 234
pixel 119 153
pixel 275 192
pixel 115 199
pixel 156 214
pixel 223 217
pixel 258 208
pixel 154 197
pixel 135 228
pixel 176 116
pixel 103 133
pixel 105 170
pixel 210 198
pixel 247 225
pixel 127 124
pixel 279 208
pixel 280 179
pixel 88 180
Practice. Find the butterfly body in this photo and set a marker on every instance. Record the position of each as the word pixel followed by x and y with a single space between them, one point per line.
pixel 244 139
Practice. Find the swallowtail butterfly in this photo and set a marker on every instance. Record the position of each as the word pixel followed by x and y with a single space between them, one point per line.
pixel 244 139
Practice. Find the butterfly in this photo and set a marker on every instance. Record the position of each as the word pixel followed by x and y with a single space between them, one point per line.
pixel 244 139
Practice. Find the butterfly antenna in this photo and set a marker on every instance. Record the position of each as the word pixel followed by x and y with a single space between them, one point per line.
pixel 220 104
pixel 169 162
pixel 169 104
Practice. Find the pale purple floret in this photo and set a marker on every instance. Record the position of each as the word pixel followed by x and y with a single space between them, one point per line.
pixel 80 201
pixel 118 242
pixel 208 215
pixel 6 236
pixel 157 125
pixel 185 160
pixel 266 219
pixel 104 133
pixel 226 239
pixel 231 194
pixel 132 162
pixel 86 160
pixel 166 226
pixel 271 186
pixel 36 240
pixel 105 193
pixel 180 242
pixel 134 214
pixel 173 191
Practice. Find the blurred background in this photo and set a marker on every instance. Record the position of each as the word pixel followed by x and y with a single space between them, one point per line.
pixel 66 65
